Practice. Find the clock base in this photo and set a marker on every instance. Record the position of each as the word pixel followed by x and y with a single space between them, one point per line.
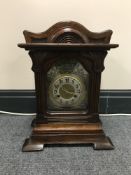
pixel 36 144
pixel 67 133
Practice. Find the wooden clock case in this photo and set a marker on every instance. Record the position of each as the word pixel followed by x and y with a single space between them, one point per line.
pixel 67 40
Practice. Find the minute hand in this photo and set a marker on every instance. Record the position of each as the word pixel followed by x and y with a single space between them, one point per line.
pixel 68 91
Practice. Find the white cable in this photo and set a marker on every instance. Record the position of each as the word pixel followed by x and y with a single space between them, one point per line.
pixel 32 114
pixel 15 113
pixel 114 114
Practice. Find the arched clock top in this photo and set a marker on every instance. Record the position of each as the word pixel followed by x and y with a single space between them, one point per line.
pixel 68 32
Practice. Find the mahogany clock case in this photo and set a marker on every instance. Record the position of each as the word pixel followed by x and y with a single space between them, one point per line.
pixel 67 52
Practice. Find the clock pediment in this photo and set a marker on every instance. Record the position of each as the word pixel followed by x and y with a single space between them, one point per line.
pixel 68 32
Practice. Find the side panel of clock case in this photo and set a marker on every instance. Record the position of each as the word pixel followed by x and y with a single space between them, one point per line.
pixel 67 86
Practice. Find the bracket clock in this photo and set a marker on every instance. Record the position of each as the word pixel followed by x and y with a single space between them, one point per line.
pixel 68 60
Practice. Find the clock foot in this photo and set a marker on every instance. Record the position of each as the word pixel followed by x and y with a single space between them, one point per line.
pixel 32 145
pixel 104 144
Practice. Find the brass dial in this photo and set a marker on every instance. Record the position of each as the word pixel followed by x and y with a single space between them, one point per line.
pixel 67 90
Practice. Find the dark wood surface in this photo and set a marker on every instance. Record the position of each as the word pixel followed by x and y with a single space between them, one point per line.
pixel 66 46
pixel 68 32
pixel 67 40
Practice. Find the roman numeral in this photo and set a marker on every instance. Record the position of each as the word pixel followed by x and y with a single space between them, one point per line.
pixel 67 80
pixel 56 86
pixel 55 91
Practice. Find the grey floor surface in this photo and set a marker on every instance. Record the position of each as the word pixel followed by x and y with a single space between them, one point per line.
pixel 64 160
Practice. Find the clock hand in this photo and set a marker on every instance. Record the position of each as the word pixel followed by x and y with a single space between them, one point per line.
pixel 68 91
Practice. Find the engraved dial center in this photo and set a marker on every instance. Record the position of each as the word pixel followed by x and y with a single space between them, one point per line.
pixel 67 91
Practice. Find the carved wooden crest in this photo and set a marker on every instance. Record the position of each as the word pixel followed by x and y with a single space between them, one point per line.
pixel 68 32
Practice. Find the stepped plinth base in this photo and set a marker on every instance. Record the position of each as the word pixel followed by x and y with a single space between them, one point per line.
pixel 67 133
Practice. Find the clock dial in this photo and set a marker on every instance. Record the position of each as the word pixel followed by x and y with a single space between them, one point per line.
pixel 67 86
pixel 67 91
